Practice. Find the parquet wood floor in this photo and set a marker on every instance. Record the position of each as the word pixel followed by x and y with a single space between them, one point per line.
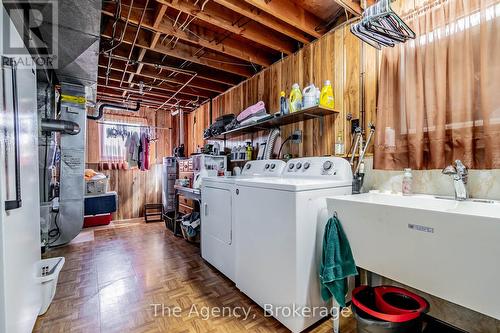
pixel 110 284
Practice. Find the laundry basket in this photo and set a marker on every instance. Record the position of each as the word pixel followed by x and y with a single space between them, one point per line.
pixel 48 274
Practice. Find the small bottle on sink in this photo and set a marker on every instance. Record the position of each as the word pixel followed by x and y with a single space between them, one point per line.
pixel 407 182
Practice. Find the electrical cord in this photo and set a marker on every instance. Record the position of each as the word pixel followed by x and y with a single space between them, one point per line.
pixel 294 136
pixel 55 232
pixel 283 144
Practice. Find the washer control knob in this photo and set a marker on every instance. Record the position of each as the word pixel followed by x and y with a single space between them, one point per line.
pixel 267 166
pixel 273 166
pixel 299 166
pixel 291 166
pixel 307 165
pixel 248 166
pixel 327 165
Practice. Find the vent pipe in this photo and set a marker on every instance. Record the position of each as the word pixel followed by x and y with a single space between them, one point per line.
pixel 102 106
pixel 63 126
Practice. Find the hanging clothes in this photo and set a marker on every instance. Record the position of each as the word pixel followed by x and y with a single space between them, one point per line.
pixel 144 151
pixel 132 144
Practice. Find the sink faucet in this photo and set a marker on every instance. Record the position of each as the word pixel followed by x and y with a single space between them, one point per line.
pixel 460 173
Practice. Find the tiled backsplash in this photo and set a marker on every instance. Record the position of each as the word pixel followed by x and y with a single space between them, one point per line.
pixel 483 184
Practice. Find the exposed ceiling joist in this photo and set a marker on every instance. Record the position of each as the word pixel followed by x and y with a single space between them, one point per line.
pixel 116 92
pixel 290 13
pixel 114 84
pixel 152 59
pixel 352 6
pixel 250 30
pixel 265 19
pixel 159 89
pixel 201 37
pixel 196 55
pixel 149 75
pixel 191 53
pixel 160 12
pixel 111 97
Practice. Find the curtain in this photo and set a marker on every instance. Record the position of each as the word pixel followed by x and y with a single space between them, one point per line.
pixel 439 95
pixel 113 136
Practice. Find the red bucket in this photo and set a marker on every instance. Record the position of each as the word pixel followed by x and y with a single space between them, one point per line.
pixel 389 304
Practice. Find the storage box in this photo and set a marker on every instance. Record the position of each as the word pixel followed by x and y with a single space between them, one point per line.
pixel 99 186
pixel 98 204
pixel 96 220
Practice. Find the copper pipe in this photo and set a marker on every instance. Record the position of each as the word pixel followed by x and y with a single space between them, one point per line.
pixel 178 91
pixel 135 39
pixel 170 68
pixel 117 16
pixel 145 101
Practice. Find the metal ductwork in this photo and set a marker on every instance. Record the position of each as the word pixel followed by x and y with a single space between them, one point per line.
pixel 70 31
pixel 63 126
pixel 102 106
pixel 69 220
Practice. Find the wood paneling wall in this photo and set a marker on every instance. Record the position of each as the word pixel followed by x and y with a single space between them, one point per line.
pixel 196 122
pixel 337 57
pixel 135 188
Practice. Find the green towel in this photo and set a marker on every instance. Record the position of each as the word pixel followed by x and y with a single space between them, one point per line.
pixel 337 263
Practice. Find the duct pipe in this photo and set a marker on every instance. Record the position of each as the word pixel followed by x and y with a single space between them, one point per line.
pixel 63 126
pixel 100 110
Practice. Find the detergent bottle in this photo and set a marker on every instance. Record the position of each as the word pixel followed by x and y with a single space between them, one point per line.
pixel 295 98
pixel 309 96
pixel 283 104
pixel 326 99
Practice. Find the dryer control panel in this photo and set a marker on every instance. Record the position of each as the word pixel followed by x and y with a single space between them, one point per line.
pixel 263 167
pixel 332 167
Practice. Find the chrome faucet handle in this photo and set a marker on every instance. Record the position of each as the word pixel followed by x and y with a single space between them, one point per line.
pixel 459 172
pixel 450 170
pixel 462 170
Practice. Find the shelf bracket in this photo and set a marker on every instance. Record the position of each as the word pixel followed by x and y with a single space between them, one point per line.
pixel 321 121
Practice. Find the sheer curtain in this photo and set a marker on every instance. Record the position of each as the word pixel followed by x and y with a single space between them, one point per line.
pixel 439 95
pixel 113 136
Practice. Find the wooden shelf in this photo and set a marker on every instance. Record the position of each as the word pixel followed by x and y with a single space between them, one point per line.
pixel 277 121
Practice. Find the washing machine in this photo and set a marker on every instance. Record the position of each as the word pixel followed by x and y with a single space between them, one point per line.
pixel 281 223
pixel 217 214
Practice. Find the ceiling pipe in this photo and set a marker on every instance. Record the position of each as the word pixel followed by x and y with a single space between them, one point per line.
pixel 102 106
pixel 135 40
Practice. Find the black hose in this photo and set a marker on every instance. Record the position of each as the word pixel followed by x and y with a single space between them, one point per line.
pixel 100 110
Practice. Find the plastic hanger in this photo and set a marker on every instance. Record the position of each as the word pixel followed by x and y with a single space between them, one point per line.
pixel 380 26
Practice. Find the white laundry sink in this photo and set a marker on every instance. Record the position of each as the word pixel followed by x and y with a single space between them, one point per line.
pixel 444 247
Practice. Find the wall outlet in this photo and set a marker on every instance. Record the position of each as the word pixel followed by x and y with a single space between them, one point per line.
pixel 297 137
pixel 354 125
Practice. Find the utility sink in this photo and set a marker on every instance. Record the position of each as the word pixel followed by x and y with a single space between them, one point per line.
pixel 447 248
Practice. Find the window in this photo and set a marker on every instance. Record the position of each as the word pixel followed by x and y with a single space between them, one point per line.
pixel 114 137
